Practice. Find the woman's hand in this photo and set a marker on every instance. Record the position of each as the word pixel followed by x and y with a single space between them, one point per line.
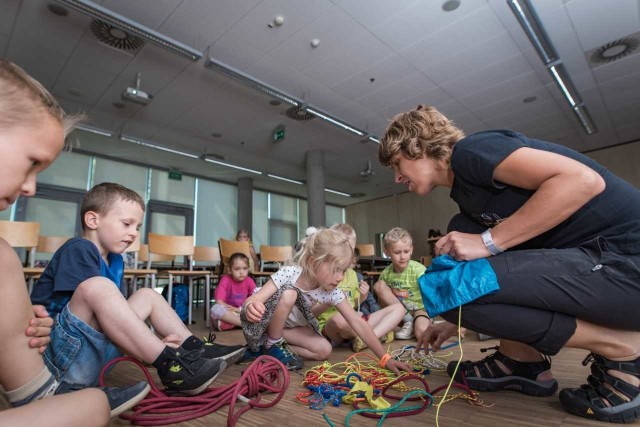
pixel 395 366
pixel 254 311
pixel 462 246
pixel 435 335
pixel 39 328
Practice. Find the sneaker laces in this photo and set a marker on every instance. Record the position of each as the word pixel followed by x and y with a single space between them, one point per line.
pixel 187 359
pixel 287 350
pixel 209 339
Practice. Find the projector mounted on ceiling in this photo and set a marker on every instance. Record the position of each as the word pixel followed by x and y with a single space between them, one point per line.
pixel 135 94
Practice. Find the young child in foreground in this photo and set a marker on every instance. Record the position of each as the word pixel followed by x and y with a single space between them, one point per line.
pixel 231 292
pixel 334 325
pixel 94 321
pixel 278 320
pixel 399 281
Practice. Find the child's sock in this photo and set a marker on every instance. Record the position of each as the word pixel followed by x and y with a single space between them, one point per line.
pixel 43 385
pixel 271 341
pixel 192 343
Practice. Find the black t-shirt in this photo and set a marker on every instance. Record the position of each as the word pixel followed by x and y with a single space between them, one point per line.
pixel 614 213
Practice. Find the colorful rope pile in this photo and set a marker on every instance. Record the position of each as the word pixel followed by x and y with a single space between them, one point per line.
pixel 265 374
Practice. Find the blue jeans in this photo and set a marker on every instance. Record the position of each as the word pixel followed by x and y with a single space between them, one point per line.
pixel 77 352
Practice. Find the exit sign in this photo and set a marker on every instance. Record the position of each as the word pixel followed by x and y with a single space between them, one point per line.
pixel 279 133
pixel 175 175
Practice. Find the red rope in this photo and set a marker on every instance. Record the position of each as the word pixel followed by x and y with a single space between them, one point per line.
pixel 264 374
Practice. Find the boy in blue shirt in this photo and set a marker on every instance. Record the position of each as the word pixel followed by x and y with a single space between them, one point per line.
pixel 80 288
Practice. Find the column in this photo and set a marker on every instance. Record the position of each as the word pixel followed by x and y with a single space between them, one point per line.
pixel 315 188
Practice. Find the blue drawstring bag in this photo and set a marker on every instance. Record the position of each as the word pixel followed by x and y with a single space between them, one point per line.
pixel 447 283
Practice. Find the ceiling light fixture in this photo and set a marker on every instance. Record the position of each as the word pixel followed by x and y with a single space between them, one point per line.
pixel 530 23
pixel 282 178
pixel 339 193
pixel 374 139
pixel 229 165
pixel 99 12
pixel 155 146
pixel 93 129
pixel 249 81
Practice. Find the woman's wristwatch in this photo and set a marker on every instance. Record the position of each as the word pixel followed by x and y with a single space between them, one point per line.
pixel 488 243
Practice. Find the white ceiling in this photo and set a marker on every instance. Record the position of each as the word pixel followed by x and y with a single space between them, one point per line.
pixel 474 63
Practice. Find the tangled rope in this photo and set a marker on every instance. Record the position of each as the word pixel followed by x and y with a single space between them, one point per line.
pixel 265 374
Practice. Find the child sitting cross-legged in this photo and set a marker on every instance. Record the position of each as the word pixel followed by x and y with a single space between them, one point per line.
pixel 93 320
pixel 231 292
pixel 333 324
pixel 278 320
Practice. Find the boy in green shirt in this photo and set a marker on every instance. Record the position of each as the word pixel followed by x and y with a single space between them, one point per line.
pixel 399 281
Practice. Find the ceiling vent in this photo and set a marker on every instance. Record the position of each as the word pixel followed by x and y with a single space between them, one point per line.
pixel 299 113
pixel 115 37
pixel 614 50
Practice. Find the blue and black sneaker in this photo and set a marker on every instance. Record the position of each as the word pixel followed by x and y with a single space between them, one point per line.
pixel 120 398
pixel 250 355
pixel 281 351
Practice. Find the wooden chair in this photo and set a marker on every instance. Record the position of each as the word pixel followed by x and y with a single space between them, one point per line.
pixel 207 258
pixel 272 254
pixel 23 234
pixel 46 245
pixel 228 248
pixel 133 274
pixel 366 249
pixel 178 246
pixel 426 260
pixel 146 259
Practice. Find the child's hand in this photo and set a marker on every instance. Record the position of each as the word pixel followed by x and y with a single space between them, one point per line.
pixel 364 290
pixel 395 366
pixel 39 328
pixel 254 311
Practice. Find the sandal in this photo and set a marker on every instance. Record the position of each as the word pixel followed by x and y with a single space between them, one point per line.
pixel 596 401
pixel 487 375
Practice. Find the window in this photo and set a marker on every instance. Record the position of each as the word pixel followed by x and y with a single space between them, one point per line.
pixel 216 213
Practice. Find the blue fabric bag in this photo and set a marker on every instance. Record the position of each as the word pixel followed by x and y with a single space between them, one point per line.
pixel 447 283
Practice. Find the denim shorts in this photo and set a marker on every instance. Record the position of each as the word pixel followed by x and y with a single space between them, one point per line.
pixel 77 352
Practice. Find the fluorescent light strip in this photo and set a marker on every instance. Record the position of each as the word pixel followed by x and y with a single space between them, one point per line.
pixel 563 86
pixel 374 139
pixel 282 178
pixel 585 118
pixel 157 147
pixel 533 29
pixel 247 80
pixel 340 193
pixel 96 11
pixel 229 165
pixel 93 129
pixel 335 121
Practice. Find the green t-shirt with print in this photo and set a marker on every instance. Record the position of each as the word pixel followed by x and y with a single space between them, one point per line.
pixel 405 285
pixel 351 288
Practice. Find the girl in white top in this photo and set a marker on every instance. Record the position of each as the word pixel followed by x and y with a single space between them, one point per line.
pixel 283 307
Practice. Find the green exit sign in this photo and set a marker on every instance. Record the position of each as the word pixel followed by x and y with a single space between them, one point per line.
pixel 279 133
pixel 175 175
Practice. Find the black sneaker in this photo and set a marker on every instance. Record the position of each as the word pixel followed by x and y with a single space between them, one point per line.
pixel 120 399
pixel 189 372
pixel 229 353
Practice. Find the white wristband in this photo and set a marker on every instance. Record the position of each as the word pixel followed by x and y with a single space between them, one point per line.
pixel 487 239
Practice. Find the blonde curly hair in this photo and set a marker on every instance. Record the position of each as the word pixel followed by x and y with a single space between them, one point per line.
pixel 424 131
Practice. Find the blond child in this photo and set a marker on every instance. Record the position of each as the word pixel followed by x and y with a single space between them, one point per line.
pixel 399 282
pixel 232 290
pixel 278 319
pixel 334 325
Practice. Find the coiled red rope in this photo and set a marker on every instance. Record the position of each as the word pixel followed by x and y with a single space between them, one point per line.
pixel 265 374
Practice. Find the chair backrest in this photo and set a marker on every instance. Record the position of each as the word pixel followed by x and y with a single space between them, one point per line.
pixel 143 256
pixel 426 260
pixel 279 254
pixel 21 234
pixel 366 249
pixel 50 244
pixel 229 247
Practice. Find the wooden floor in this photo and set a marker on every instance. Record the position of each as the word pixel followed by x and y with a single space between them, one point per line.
pixel 510 408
